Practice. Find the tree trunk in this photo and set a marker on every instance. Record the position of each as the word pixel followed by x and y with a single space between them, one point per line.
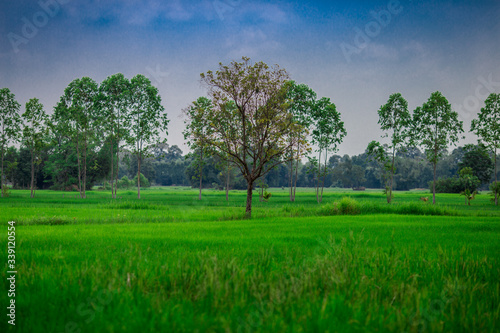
pixel 79 169
pixel 201 172
pixel 389 198
pixel 227 183
pixel 112 175
pixel 248 211
pixel 291 179
pixel 117 154
pixel 32 174
pixel 434 185
pixel 2 176
pixel 85 171
pixel 496 181
pixel 318 177
pixel 296 177
pixel 139 176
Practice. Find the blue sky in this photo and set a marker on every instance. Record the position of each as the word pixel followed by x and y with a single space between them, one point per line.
pixel 355 52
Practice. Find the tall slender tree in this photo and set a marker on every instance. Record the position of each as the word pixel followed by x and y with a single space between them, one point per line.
pixel 327 135
pixel 75 116
pixel 10 126
pixel 114 97
pixel 487 128
pixel 34 133
pixel 196 132
pixel 147 121
pixel 435 127
pixel 302 100
pixel 395 120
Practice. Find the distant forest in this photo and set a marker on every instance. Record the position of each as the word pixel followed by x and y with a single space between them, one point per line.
pixel 169 166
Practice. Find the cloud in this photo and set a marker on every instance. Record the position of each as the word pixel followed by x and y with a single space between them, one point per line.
pixel 251 43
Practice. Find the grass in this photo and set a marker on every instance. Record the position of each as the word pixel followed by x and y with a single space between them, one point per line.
pixel 172 263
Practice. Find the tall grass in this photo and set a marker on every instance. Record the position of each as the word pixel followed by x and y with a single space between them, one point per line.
pixel 345 282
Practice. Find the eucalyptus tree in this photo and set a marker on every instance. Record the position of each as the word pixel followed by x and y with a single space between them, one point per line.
pixel 114 97
pixel 10 126
pixel 196 132
pixel 253 134
pixel 75 119
pixel 327 134
pixel 302 100
pixel 146 119
pixel 435 127
pixel 379 154
pixel 34 134
pixel 487 128
pixel 395 120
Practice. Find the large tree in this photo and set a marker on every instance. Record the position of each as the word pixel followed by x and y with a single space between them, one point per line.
pixel 147 121
pixel 394 120
pixel 328 132
pixel 478 159
pixel 435 127
pixel 34 133
pixel 10 126
pixel 114 97
pixel 75 118
pixel 487 128
pixel 253 135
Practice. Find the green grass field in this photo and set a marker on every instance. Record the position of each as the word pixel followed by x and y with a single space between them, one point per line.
pixel 170 262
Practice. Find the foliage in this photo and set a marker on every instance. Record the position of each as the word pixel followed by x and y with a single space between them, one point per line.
pixel 477 159
pixel 250 118
pixel 495 190
pixel 487 128
pixel 113 101
pixel 469 195
pixel 378 153
pixel 10 127
pixel 75 121
pixel 196 133
pixel 395 120
pixel 144 182
pixel 35 133
pixel 302 100
pixel 147 120
pixel 327 134
pixel 455 185
pixel 435 127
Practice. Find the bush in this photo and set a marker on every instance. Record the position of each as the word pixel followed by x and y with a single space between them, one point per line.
pixel 349 206
pixel 144 181
pixel 455 185
pixel 126 183
pixel 495 189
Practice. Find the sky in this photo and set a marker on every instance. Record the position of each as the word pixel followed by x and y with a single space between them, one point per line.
pixel 357 53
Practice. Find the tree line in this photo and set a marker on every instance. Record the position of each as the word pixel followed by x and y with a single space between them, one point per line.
pixel 255 126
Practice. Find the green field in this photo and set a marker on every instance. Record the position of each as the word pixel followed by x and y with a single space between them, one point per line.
pixel 170 262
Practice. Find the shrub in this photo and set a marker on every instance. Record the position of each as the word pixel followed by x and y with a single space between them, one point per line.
pixel 455 185
pixel 126 183
pixel 495 189
pixel 144 181
pixel 349 206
